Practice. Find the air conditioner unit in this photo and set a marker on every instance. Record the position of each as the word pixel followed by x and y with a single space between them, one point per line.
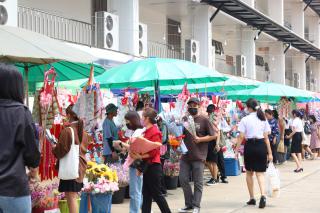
pixel 296 80
pixel 9 12
pixel 143 40
pixel 241 66
pixel 192 52
pixel 107 30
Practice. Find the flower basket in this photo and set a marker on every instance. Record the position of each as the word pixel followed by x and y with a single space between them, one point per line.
pixel 118 196
pixel 99 184
pixel 100 203
pixel 63 206
pixel 44 195
pixel 171 182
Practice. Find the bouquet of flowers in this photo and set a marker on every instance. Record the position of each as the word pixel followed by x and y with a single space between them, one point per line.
pixel 123 175
pixel 44 195
pixel 171 166
pixel 100 179
pixel 190 125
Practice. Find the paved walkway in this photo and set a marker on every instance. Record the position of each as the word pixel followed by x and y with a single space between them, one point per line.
pixel 300 193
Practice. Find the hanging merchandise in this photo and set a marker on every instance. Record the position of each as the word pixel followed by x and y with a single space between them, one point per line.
pixel 180 107
pixel 45 110
pixel 46 105
pixel 89 105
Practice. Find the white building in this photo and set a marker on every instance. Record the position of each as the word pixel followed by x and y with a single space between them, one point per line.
pixel 275 40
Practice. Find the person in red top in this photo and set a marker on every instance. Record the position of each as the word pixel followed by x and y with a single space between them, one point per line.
pixel 152 176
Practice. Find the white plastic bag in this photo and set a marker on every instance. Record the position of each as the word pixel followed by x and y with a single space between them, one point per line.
pixel 272 181
pixel 69 164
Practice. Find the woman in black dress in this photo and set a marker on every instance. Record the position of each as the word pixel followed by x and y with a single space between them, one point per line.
pixel 296 135
pixel 254 128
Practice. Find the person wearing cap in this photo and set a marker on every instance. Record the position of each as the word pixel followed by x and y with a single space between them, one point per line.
pixel 193 160
pixel 110 133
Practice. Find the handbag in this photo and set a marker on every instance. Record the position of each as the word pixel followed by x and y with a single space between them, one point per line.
pixel 281 147
pixel 69 164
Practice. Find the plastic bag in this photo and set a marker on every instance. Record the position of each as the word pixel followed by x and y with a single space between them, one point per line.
pixel 272 181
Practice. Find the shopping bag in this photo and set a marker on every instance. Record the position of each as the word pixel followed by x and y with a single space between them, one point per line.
pixel 272 181
pixel 281 147
pixel 69 164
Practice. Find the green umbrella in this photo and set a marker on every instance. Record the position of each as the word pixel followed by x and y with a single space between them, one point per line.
pixel 269 92
pixel 149 72
pixel 66 71
pixel 233 83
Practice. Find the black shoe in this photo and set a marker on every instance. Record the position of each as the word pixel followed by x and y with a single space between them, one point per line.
pixel 263 201
pixel 212 182
pixel 165 194
pixel 186 209
pixel 251 202
pixel 224 180
pixel 298 170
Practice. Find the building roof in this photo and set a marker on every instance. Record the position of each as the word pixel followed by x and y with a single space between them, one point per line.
pixel 254 18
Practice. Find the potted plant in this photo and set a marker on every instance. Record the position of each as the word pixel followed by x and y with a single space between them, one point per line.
pixel 171 169
pixel 44 195
pixel 123 181
pixel 99 184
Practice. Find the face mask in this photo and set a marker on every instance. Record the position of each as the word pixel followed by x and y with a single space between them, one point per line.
pixel 193 111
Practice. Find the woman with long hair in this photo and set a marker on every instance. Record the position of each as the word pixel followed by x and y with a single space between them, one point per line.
pixel 133 124
pixel 254 128
pixel 296 135
pixel 67 135
pixel 152 175
pixel 315 136
pixel 18 143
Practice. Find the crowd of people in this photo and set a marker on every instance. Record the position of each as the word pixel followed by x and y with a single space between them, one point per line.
pixel 267 137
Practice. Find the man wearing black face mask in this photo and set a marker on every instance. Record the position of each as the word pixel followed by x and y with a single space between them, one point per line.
pixel 197 146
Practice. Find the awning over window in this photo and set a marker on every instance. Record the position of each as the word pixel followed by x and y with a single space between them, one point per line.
pixel 256 19
pixel 314 5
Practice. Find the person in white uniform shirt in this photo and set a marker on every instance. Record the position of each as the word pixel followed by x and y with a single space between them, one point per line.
pixel 254 128
pixel 296 135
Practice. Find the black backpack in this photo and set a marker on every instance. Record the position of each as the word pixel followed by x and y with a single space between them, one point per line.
pixel 307 128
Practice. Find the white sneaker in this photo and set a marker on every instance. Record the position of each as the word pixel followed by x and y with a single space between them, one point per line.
pixel 196 210
pixel 185 209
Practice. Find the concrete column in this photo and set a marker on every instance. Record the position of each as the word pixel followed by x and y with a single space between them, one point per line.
pixel 277 63
pixel 314 30
pixel 275 10
pixel 299 66
pixel 128 12
pixel 315 67
pixel 297 18
pixel 202 32
pixel 248 49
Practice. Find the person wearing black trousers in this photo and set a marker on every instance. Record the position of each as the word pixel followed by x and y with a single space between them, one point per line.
pixel 221 167
pixel 153 172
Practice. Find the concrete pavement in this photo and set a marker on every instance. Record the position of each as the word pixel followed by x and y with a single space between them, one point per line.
pixel 299 193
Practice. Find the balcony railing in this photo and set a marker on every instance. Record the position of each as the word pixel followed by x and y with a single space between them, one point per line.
pixel 156 49
pixel 78 32
pixel 55 26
